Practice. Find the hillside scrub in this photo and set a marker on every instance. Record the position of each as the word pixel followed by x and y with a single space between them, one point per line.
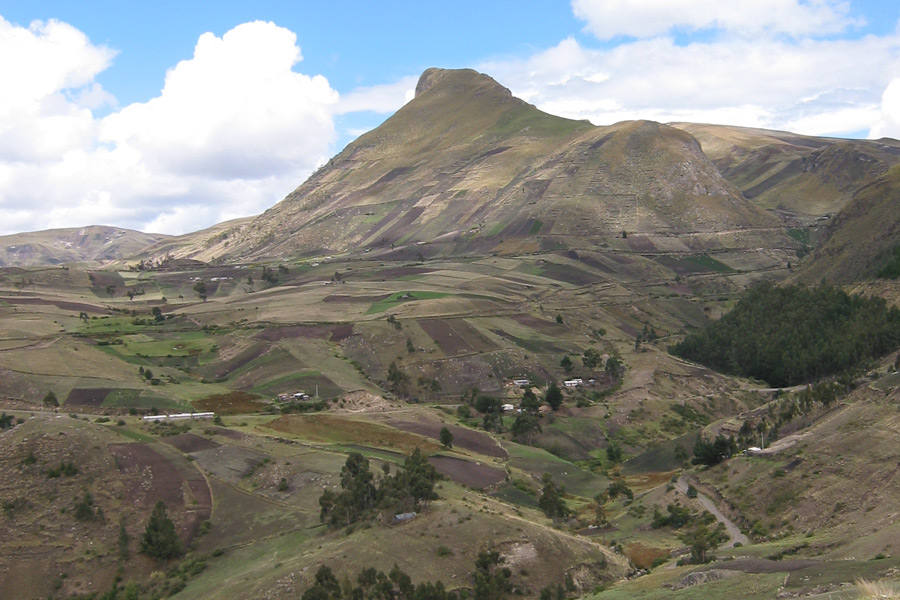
pixel 409 490
pixel 794 334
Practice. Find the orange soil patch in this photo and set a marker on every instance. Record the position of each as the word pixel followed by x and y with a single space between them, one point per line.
pixel 648 481
pixel 643 556
pixel 336 430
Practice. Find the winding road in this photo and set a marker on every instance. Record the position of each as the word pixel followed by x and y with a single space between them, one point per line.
pixel 734 532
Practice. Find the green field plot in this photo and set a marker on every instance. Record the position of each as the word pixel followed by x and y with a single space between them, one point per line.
pixel 132 398
pixel 306 381
pixel 401 297
pixel 573 478
pixel 182 344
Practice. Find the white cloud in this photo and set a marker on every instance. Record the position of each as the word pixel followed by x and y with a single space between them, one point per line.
pixel 382 99
pixel 607 19
pixel 43 63
pixel 234 111
pixel 888 124
pixel 816 87
pixel 233 130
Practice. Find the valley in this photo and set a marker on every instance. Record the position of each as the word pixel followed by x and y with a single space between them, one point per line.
pixel 470 251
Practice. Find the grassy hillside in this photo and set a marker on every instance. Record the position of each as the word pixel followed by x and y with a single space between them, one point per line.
pixel 82 244
pixel 466 168
pixel 804 176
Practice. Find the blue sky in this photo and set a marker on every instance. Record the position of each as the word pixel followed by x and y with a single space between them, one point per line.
pixel 170 116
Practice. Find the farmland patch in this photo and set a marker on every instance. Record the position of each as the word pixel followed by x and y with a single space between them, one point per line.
pixel 331 429
pixel 456 336
pixel 158 477
pixel 401 297
pixel 86 396
pixel 228 463
pixel 232 403
pixel 467 473
pixel 188 442
pixel 463 437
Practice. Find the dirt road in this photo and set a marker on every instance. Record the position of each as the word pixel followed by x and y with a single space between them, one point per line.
pixel 734 532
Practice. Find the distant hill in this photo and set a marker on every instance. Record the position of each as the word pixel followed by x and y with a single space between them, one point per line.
pixel 804 175
pixel 859 239
pixel 95 243
pixel 468 168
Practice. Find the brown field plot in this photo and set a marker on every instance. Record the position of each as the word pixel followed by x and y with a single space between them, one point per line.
pixel 336 430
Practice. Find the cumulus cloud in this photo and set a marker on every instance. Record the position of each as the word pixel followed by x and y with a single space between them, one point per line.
pixel 39 118
pixel 888 124
pixel 607 19
pixel 816 87
pixel 233 130
pixel 235 110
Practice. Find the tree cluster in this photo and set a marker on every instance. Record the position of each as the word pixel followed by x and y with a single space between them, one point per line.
pixel 892 269
pixel 408 490
pixel 714 452
pixel 491 582
pixel 792 334
pixel 374 585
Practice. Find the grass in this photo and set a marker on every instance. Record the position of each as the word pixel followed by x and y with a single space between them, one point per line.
pixel 709 263
pixel 401 297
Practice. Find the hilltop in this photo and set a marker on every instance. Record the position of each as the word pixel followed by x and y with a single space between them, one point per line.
pixel 78 244
pixel 466 168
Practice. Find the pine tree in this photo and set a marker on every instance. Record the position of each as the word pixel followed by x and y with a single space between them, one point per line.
pixel 160 540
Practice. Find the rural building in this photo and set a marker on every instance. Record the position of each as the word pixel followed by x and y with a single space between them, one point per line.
pixel 508 408
pixel 521 382
pixel 571 383
pixel 200 415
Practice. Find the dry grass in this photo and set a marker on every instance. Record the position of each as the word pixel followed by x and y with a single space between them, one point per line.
pixel 886 590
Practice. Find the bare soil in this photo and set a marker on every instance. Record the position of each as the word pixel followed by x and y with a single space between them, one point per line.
pixel 233 403
pixel 159 480
pixel 188 442
pixel 463 437
pixel 87 396
pixel 467 473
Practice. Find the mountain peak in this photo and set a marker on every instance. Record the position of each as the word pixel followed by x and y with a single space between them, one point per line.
pixel 457 82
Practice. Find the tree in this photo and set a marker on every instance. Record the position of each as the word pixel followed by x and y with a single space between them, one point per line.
pixel 613 367
pixel 397 378
pixel 525 428
pixel 551 501
pixel 491 580
pixel 123 539
pixel 446 438
pixel 712 453
pixel 160 540
pixel 566 363
pixel 559 318
pixel 200 288
pixel 6 421
pixel 530 403
pixel 591 358
pixel 50 400
pixel 553 396
pixel 613 453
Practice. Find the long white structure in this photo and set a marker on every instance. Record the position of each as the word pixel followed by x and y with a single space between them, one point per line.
pixel 200 415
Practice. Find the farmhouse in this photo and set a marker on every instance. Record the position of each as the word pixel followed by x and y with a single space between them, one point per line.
pixel 571 383
pixel 508 408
